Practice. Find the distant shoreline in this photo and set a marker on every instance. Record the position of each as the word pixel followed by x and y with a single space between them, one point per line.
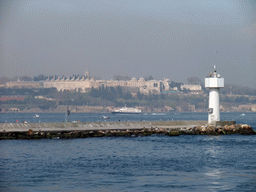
pixel 11 112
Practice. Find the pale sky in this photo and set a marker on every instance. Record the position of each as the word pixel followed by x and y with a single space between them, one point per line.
pixel 138 38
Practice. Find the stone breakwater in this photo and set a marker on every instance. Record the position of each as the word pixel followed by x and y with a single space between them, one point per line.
pixel 113 129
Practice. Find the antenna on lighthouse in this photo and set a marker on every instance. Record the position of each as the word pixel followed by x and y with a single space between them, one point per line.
pixel 215 68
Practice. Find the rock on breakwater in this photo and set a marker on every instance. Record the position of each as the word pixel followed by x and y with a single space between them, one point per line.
pixel 220 130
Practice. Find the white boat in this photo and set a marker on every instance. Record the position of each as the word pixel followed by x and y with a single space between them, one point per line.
pixel 158 114
pixel 36 115
pixel 105 117
pixel 127 110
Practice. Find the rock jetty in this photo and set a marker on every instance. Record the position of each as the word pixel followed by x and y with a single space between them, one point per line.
pixel 118 129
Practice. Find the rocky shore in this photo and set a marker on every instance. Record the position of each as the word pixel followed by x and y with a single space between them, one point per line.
pixel 242 129
pixel 130 129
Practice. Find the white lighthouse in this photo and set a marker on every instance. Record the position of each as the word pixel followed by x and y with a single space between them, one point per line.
pixel 214 83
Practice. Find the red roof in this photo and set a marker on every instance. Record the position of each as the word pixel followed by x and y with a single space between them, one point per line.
pixel 11 98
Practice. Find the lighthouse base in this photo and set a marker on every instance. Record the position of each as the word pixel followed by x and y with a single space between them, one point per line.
pixel 222 123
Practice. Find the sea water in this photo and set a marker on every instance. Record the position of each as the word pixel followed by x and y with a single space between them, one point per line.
pixel 152 163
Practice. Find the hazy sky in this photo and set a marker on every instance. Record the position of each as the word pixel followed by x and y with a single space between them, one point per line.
pixel 172 39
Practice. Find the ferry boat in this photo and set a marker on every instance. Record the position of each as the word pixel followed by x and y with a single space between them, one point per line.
pixel 126 110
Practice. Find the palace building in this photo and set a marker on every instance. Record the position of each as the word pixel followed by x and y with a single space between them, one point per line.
pixel 85 83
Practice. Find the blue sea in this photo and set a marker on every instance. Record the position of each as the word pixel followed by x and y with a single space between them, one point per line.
pixel 152 163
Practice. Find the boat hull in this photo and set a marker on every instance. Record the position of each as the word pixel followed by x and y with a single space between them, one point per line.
pixel 126 113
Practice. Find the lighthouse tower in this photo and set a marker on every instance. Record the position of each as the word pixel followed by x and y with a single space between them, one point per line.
pixel 214 83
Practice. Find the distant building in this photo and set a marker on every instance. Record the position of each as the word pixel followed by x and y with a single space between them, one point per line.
pixel 24 84
pixel 11 98
pixel 247 108
pixel 86 83
pixel 193 89
pixel 13 109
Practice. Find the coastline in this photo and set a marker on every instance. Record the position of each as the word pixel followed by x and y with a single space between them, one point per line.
pixel 110 112
pixel 109 109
